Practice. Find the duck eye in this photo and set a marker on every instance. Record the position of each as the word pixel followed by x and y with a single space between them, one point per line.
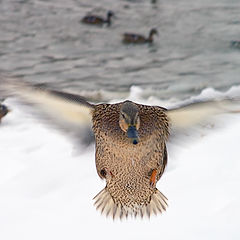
pixel 124 117
pixel 103 173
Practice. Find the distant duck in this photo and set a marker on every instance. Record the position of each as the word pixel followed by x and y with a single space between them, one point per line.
pixel 3 111
pixel 96 20
pixel 235 44
pixel 138 39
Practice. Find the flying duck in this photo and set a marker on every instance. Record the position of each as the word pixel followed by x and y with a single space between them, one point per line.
pixel 130 139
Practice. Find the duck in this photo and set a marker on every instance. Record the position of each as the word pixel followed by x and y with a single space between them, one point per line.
pixel 130 142
pixel 129 38
pixel 3 111
pixel 97 20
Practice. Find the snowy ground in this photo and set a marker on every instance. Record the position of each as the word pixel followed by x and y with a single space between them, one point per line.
pixel 47 186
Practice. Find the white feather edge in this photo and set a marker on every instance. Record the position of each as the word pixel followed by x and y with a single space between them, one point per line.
pixel 107 206
pixel 196 113
pixel 58 107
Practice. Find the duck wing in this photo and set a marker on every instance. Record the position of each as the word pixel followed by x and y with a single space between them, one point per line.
pixel 69 111
pixel 134 38
pixel 185 118
pixel 93 20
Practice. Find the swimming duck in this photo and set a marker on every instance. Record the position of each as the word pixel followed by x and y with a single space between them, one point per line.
pixel 130 138
pixel 139 39
pixel 3 111
pixel 96 20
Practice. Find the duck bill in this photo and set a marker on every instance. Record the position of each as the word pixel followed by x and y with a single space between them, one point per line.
pixel 133 134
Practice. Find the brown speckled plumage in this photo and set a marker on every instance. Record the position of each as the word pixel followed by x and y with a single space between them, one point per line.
pixel 129 166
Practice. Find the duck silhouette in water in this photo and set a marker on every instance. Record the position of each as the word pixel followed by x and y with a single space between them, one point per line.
pixel 97 20
pixel 129 38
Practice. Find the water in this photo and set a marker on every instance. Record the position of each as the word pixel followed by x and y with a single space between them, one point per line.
pixel 43 41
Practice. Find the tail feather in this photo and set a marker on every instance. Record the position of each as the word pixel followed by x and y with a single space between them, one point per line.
pixel 108 207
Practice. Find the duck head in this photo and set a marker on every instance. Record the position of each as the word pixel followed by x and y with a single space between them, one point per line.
pixel 129 120
pixel 152 32
pixel 109 15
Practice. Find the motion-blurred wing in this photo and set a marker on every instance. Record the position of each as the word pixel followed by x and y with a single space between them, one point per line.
pixel 188 116
pixel 69 110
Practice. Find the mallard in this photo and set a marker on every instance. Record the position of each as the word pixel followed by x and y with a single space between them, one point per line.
pixel 136 38
pixel 3 111
pixel 96 20
pixel 130 138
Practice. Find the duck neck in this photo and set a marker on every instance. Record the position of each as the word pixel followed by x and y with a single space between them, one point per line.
pixel 150 37
pixel 108 21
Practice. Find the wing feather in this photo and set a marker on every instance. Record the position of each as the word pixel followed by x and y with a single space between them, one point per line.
pixel 69 111
pixel 199 112
pixel 68 107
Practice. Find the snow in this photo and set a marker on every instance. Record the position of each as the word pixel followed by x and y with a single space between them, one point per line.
pixel 47 186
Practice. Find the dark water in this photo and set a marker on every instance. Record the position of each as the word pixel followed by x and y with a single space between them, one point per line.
pixel 44 42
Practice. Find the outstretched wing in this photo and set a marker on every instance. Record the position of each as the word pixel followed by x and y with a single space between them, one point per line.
pixel 67 110
pixel 186 117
